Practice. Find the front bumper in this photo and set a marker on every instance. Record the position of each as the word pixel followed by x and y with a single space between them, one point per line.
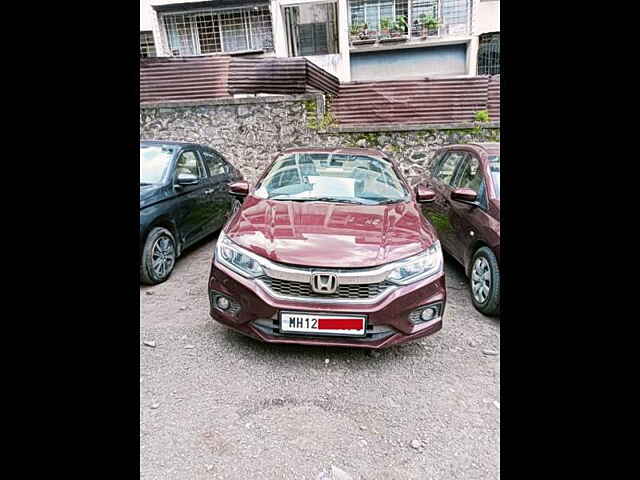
pixel 387 319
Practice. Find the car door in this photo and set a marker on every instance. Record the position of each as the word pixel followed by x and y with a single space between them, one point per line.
pixel 438 212
pixel 191 212
pixel 466 219
pixel 217 192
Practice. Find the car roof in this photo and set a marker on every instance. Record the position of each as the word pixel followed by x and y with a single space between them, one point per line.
pixel 170 142
pixel 491 148
pixel 339 150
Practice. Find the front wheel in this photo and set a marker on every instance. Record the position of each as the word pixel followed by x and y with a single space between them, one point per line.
pixel 485 282
pixel 158 256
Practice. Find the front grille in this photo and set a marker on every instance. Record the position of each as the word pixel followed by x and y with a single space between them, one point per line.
pixel 287 288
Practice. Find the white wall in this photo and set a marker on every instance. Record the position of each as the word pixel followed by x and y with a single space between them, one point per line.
pixel 487 17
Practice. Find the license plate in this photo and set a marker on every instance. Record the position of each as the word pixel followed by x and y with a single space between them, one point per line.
pixel 323 324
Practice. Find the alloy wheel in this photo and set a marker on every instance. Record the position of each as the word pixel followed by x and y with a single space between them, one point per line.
pixel 481 280
pixel 163 256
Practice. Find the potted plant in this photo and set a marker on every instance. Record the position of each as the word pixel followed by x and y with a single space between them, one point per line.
pixel 360 35
pixel 355 31
pixel 385 27
pixel 429 25
pixel 399 27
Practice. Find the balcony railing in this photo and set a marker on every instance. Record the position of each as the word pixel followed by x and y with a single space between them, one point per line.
pixel 397 21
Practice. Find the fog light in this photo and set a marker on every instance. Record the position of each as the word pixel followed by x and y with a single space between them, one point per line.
pixel 223 303
pixel 427 314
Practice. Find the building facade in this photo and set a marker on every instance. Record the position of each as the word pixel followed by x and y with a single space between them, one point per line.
pixel 356 40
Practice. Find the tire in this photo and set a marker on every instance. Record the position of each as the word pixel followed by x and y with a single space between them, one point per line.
pixel 484 282
pixel 161 247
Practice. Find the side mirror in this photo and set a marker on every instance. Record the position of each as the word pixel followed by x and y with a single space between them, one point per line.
pixel 186 179
pixel 424 194
pixel 239 189
pixel 465 195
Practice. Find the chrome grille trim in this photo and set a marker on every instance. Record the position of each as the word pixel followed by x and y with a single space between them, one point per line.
pixel 356 276
pixel 266 282
pixel 302 291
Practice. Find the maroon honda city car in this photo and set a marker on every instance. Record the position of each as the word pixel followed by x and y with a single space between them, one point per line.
pixel 329 248
pixel 466 214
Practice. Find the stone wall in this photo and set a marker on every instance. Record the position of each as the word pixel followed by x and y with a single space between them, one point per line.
pixel 249 132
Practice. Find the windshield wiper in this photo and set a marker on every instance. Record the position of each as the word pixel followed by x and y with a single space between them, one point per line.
pixel 393 200
pixel 319 199
pixel 145 183
pixel 336 200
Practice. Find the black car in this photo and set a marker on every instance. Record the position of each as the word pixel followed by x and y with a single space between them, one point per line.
pixel 184 196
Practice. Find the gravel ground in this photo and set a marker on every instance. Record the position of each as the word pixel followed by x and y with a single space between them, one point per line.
pixel 215 404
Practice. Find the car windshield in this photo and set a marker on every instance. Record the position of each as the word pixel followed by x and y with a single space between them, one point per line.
pixel 154 162
pixel 494 168
pixel 333 178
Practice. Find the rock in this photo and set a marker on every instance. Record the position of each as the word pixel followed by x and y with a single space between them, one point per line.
pixel 189 347
pixel 373 353
pixel 362 427
pixel 496 404
pixel 339 474
pixel 487 351
pixel 472 343
pixel 326 361
pixel 183 308
pixel 150 343
pixel 416 444
pixel 149 292
pixel 208 468
pixel 154 406
pixel 362 143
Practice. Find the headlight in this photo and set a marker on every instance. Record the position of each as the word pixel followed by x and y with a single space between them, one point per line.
pixel 419 266
pixel 232 256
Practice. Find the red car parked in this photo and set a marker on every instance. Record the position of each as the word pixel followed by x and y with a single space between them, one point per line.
pixel 329 248
pixel 466 213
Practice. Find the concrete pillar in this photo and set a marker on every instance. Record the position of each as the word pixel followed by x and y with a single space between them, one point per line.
pixel 472 56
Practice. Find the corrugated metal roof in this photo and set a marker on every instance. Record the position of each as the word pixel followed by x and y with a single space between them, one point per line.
pixel 493 102
pixel 286 76
pixel 321 79
pixel 440 101
pixel 183 78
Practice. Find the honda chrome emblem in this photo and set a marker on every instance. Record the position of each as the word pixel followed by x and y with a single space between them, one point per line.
pixel 322 282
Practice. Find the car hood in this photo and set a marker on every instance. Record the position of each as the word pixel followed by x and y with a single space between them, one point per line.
pixel 333 235
pixel 148 194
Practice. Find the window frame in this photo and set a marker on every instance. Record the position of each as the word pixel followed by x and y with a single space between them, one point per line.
pixel 249 29
pixel 485 49
pixel 455 170
pixel 216 156
pixel 482 190
pixel 290 37
pixel 201 167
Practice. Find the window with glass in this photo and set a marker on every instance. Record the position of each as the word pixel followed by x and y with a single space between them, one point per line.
pixel 470 175
pixel 331 177
pixel 218 31
pixel 155 161
pixel 494 169
pixel 422 17
pixel 147 47
pixel 214 163
pixel 188 163
pixel 448 167
pixel 369 13
pixel 312 29
pixel 489 54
